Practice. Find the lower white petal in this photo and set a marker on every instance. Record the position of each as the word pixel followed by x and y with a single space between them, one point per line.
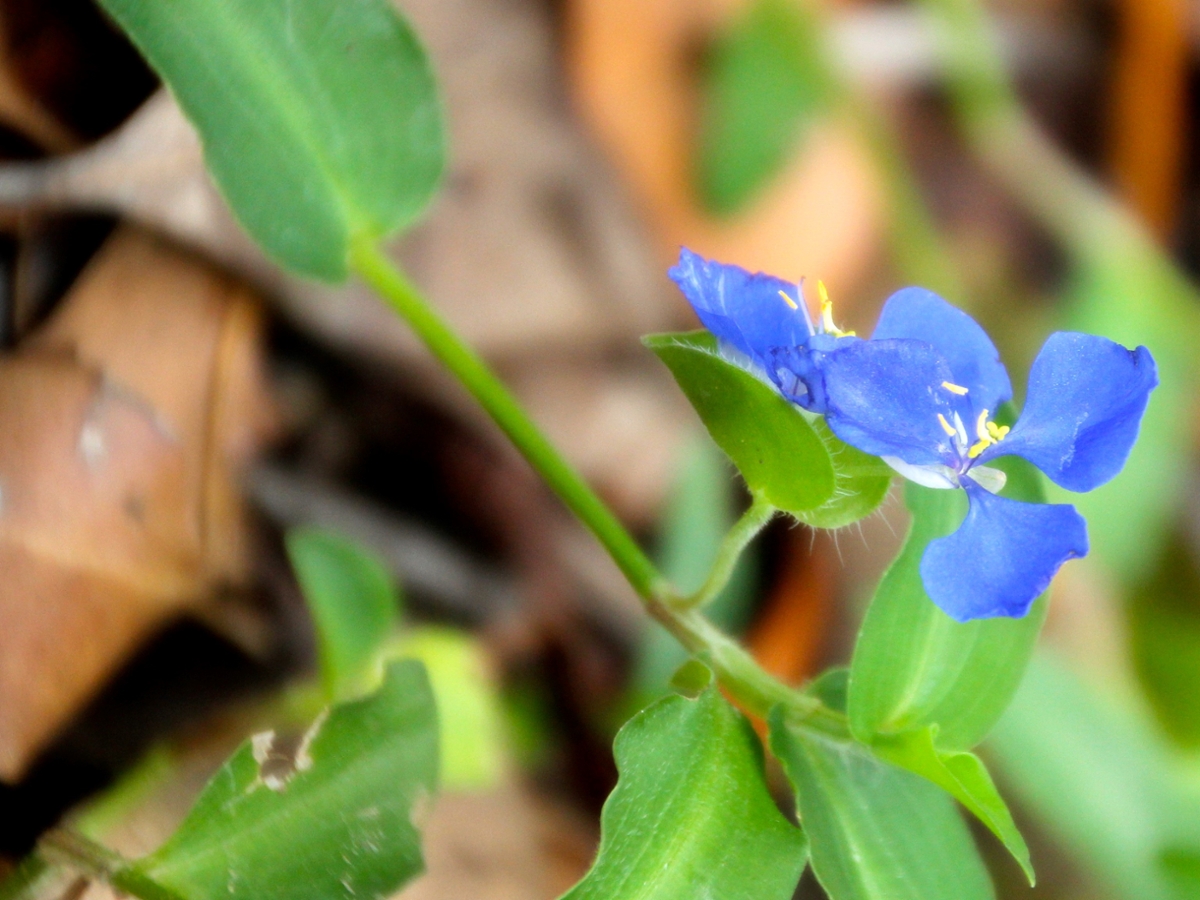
pixel 941 477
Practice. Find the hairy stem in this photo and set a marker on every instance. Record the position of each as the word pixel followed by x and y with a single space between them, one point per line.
pixel 746 529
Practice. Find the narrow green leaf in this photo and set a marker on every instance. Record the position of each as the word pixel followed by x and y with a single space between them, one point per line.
pixel 913 665
pixel 354 604
pixel 332 819
pixel 319 118
pixel 876 832
pixel 691 816
pixel 1099 778
pixel 762 86
pixel 963 775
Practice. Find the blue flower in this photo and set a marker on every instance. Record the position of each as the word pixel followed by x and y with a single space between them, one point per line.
pixel 921 394
pixel 762 323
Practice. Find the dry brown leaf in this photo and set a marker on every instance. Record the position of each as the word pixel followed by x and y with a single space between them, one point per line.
pixel 123 423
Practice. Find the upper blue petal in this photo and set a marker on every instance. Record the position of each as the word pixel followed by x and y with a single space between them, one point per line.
pixel 884 397
pixel 1082 411
pixel 1002 556
pixel 741 308
pixel 974 361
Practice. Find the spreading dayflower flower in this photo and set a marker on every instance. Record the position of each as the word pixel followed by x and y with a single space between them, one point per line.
pixel 922 393
pixel 763 323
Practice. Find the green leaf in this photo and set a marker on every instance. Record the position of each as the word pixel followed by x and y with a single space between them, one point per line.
pixel 469 713
pixel 913 665
pixel 691 816
pixel 965 777
pixel 1101 781
pixel 354 604
pixel 319 118
pixel 762 86
pixel 876 832
pixel 797 466
pixel 332 819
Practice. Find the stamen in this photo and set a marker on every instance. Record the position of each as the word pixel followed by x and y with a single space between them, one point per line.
pixel 788 300
pixel 946 426
pixel 989 433
pixel 997 432
pixel 954 388
pixel 980 427
pixel 827 313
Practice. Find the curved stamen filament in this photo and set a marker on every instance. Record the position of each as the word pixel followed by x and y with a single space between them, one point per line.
pixel 827 314
pixel 988 433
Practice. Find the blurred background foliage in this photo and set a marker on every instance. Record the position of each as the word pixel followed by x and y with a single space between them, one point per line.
pixel 1034 160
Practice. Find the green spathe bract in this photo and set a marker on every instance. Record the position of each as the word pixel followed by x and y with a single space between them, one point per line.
pixel 691 816
pixel 876 832
pixel 334 821
pixel 320 120
pixel 798 467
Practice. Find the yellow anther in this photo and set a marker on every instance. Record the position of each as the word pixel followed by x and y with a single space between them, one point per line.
pixel 954 388
pixel 988 432
pixel 827 313
pixel 788 300
pixel 946 426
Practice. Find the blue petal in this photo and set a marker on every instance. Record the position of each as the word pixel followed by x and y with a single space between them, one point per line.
pixel 740 308
pixel 1001 557
pixel 922 315
pixel 1085 402
pixel 884 398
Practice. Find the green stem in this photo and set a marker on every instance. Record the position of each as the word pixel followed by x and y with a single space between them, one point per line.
pixel 753 521
pixel 61 845
pixel 736 669
pixel 390 283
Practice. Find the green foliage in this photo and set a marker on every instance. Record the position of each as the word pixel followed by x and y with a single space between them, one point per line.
pixel 691 816
pixel 763 84
pixel 1164 634
pixel 332 819
pixel 914 666
pixel 876 832
pixel 354 604
pixel 783 458
pixel 469 714
pixel 319 118
pixel 964 776
pixel 1103 783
